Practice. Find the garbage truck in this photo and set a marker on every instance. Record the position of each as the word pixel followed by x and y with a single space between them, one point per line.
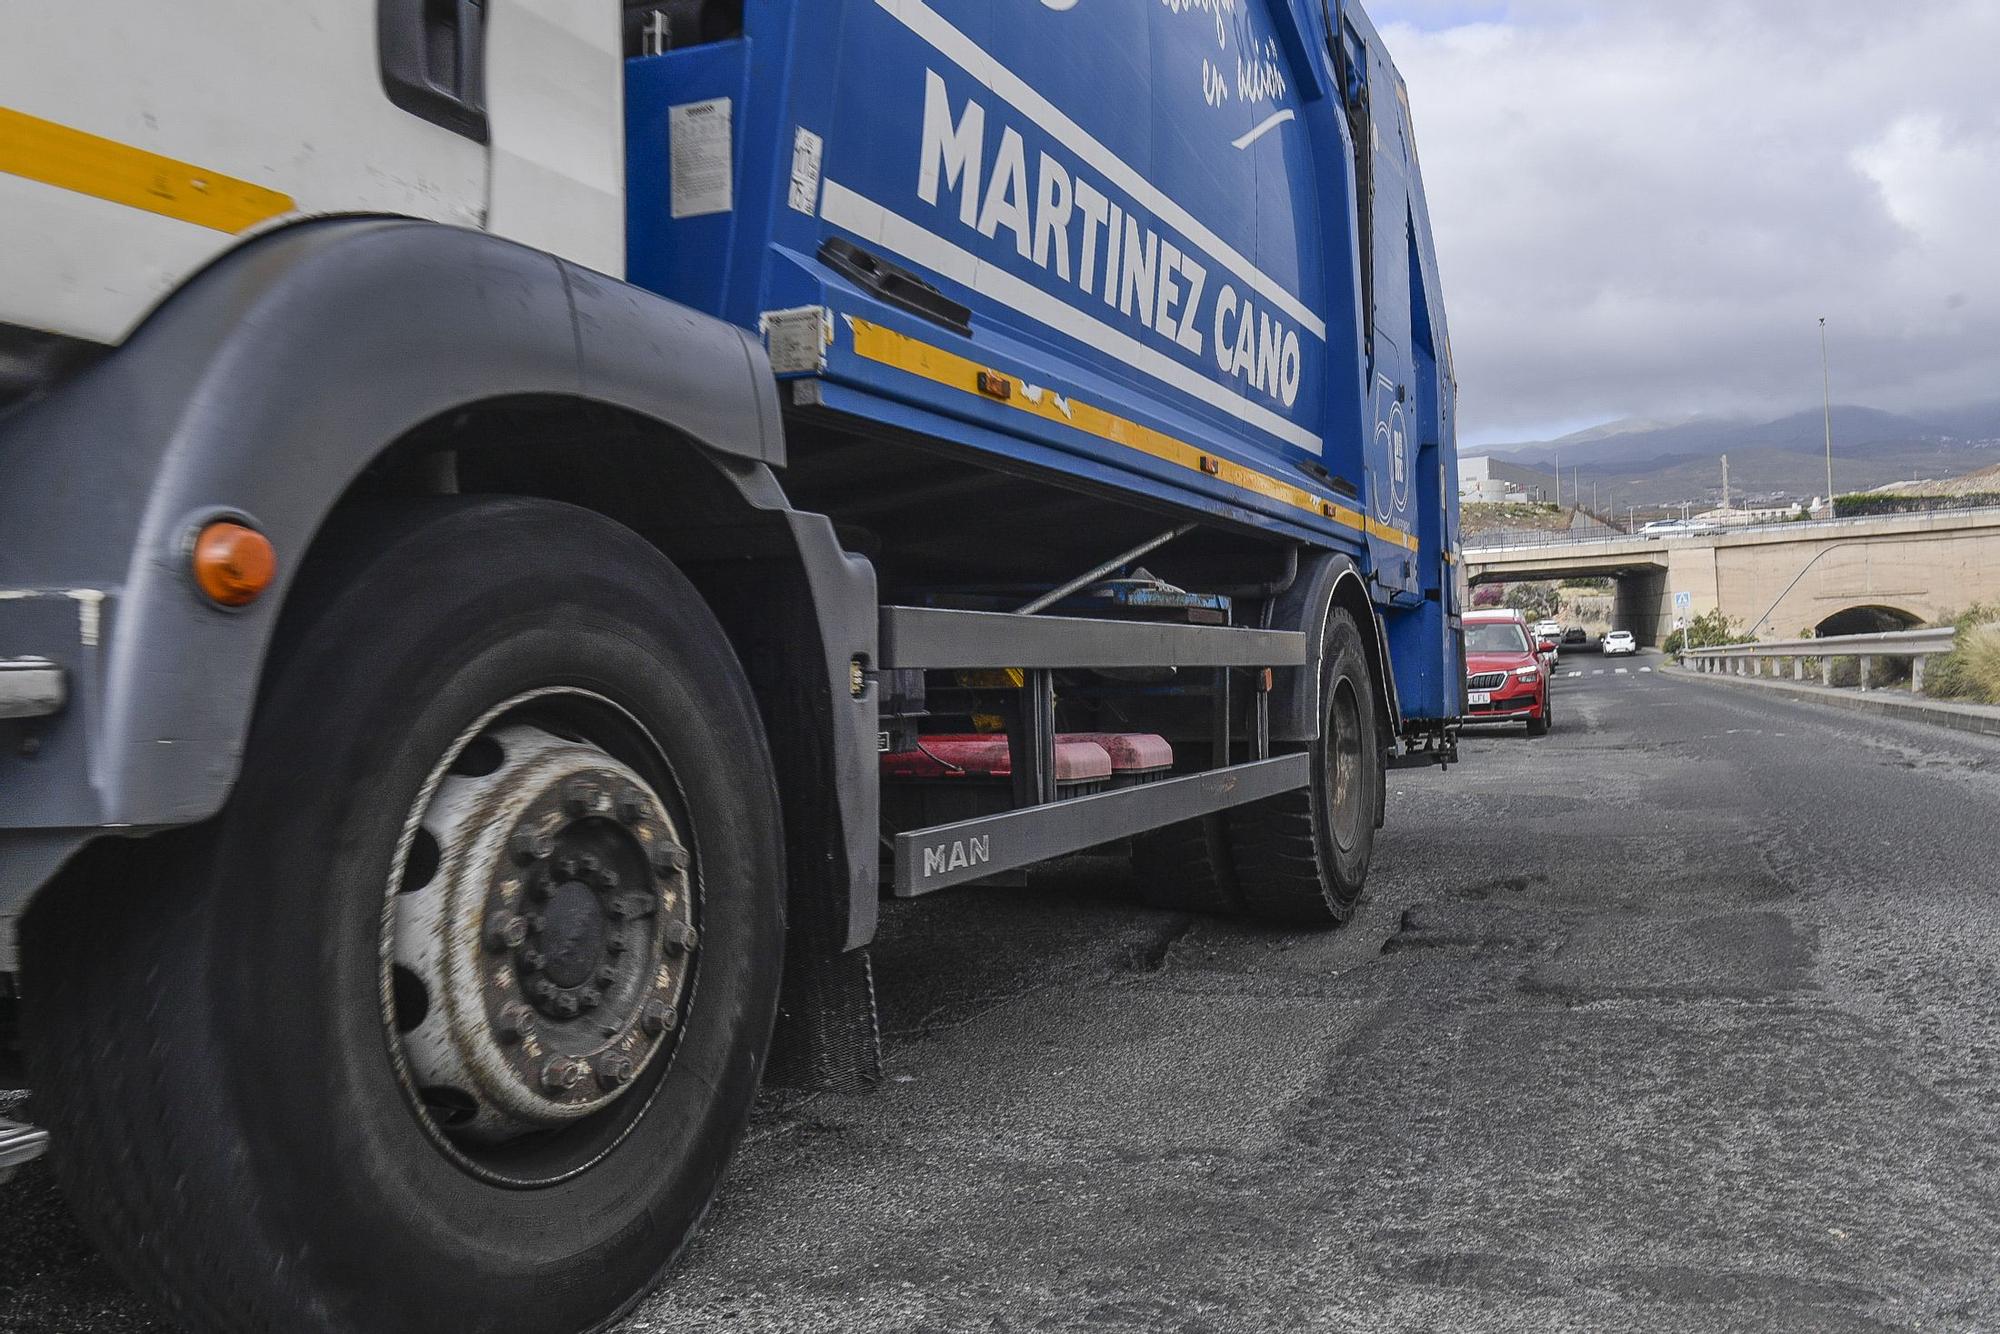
pixel 523 521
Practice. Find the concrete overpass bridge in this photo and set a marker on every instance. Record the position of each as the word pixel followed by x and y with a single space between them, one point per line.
pixel 1836 576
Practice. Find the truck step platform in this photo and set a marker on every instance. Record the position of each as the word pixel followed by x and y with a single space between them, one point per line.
pixel 19 1145
pixel 927 860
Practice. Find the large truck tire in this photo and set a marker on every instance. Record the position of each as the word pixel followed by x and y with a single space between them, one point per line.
pixel 451 1020
pixel 1302 856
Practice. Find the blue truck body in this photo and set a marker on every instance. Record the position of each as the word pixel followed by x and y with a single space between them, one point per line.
pixel 1129 244
pixel 454 695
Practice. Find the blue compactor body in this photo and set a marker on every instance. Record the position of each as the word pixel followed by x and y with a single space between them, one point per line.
pixel 1171 255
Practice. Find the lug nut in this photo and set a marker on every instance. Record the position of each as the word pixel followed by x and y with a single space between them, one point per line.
pixel 681 938
pixel 631 807
pixel 606 975
pixel 565 1004
pixel 505 931
pixel 614 1071
pixel 590 998
pixel 627 906
pixel 517 1023
pixel 568 868
pixel 658 1017
pixel 576 799
pixel 530 845
pixel 562 1074
pixel 532 960
pixel 669 859
pixel 543 989
pixel 617 942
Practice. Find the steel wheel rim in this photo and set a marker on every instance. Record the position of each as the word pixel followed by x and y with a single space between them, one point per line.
pixel 587 1107
pixel 1344 762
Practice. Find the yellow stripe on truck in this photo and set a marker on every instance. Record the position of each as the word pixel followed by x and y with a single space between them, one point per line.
pixel 41 150
pixel 901 352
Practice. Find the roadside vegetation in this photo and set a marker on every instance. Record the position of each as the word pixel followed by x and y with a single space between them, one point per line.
pixel 1537 602
pixel 1479 516
pixel 1971 671
pixel 1711 629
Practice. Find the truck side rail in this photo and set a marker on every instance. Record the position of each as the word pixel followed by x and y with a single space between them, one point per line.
pixel 1041 826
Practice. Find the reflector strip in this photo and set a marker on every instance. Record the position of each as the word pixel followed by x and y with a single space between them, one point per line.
pixel 901 352
pixel 41 150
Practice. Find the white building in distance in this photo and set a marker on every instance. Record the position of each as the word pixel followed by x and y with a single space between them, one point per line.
pixel 1485 479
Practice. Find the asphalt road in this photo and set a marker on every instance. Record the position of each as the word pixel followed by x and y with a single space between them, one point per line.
pixel 1681 1019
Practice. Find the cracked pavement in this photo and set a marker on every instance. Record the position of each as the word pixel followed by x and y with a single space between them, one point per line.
pixel 1686 1018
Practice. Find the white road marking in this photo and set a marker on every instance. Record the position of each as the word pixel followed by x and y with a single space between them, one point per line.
pixel 1623 672
pixel 1645 669
pixel 1598 672
pixel 1574 675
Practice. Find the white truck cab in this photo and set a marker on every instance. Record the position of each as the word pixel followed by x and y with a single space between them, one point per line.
pixel 138 141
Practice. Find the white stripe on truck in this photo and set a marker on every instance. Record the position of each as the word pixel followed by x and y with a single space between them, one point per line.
pixel 871 221
pixel 926 23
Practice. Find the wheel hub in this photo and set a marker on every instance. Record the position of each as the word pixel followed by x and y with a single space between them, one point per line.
pixel 554 941
pixel 567 935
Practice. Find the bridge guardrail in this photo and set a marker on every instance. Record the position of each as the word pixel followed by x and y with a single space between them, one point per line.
pixel 1519 539
pixel 1748 659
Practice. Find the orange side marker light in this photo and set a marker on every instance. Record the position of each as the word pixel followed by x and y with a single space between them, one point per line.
pixel 233 564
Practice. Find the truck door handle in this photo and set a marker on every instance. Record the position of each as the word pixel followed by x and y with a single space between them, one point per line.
pixel 434 61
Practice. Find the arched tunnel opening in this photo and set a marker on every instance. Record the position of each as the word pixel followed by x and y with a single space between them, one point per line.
pixel 1866 621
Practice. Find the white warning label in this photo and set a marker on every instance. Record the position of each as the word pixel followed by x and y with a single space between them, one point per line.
pixel 807 151
pixel 699 141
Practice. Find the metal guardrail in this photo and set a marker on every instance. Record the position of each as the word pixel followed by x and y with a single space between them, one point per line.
pixel 1749 659
pixel 1522 540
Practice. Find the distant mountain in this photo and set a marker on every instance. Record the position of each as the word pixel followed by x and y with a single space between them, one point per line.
pixel 1658 464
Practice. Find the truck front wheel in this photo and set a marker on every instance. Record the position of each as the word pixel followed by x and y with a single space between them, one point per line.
pixel 451 1020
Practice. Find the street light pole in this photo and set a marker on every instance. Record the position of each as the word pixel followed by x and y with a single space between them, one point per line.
pixel 1826 384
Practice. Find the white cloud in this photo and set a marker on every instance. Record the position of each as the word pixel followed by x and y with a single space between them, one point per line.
pixel 1643 208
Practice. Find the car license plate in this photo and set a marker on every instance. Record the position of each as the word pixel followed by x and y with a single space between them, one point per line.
pixel 1480 697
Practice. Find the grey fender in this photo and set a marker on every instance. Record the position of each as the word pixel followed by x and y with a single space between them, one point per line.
pixel 1326 579
pixel 262 389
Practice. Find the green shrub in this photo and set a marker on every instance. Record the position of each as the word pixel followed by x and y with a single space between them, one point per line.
pixel 1711 629
pixel 1537 602
pixel 1971 671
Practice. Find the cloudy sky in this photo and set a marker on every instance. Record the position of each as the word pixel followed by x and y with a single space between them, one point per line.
pixel 1644 206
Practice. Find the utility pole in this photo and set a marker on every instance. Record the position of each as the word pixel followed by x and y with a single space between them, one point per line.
pixel 1826 385
pixel 1557 454
pixel 1725 481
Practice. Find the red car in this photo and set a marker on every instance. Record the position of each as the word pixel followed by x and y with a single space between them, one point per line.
pixel 1506 679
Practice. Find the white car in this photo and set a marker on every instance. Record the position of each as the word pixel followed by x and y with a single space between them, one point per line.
pixel 1620 641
